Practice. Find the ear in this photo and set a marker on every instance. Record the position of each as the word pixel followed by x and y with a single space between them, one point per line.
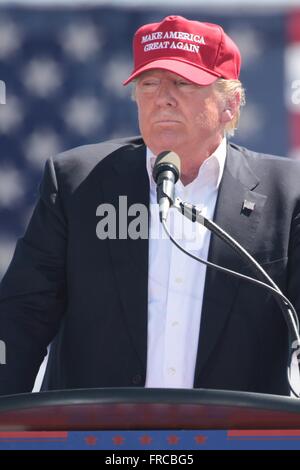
pixel 230 108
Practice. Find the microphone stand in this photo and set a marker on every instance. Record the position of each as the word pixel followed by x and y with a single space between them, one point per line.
pixel 194 214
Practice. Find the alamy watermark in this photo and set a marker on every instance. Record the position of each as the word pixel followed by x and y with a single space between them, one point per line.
pixel 123 222
pixel 2 352
pixel 296 353
pixel 114 223
pixel 2 92
pixel 296 92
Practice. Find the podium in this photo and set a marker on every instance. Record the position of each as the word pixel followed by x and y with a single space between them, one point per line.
pixel 146 409
pixel 120 419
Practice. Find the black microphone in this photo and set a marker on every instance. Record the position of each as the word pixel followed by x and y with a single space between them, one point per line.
pixel 166 172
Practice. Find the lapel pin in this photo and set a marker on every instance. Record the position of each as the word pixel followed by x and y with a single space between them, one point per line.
pixel 248 207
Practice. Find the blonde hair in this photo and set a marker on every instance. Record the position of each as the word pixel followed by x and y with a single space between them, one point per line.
pixel 228 90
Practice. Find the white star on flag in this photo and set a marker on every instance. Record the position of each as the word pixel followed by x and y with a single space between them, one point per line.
pixel 81 41
pixel 83 114
pixel 42 77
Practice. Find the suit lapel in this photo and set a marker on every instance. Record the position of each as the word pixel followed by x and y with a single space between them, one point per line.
pixel 238 184
pixel 127 176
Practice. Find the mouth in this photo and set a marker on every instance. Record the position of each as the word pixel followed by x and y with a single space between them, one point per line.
pixel 167 121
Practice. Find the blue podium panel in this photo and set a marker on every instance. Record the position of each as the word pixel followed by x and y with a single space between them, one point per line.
pixel 171 440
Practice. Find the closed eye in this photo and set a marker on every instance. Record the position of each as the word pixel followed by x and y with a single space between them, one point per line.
pixel 149 83
pixel 184 83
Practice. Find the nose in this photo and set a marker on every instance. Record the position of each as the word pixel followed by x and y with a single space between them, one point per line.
pixel 165 94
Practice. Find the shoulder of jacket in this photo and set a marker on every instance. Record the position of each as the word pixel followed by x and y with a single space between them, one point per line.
pixel 258 158
pixel 94 153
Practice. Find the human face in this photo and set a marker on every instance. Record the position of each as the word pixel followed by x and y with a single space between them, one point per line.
pixel 176 114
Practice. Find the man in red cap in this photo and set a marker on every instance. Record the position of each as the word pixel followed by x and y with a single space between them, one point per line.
pixel 124 310
pixel 187 88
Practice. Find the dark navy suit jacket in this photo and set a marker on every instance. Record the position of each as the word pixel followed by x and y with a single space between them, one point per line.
pixel 89 296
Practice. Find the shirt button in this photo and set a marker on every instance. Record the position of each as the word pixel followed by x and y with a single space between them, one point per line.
pixel 178 280
pixel 171 371
pixel 175 323
pixel 137 379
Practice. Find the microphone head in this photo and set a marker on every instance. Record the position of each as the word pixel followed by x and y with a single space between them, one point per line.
pixel 166 160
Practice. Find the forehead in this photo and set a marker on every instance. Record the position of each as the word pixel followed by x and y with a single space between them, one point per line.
pixel 161 73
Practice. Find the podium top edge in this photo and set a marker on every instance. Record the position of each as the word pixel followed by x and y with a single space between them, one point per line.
pixel 150 396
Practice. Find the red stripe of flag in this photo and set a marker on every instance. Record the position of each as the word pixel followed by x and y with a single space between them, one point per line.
pixel 293 29
pixel 293 39
pixel 295 128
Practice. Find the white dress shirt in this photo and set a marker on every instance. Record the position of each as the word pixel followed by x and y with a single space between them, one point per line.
pixel 176 281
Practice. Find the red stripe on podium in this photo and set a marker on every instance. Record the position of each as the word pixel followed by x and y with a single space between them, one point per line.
pixel 34 435
pixel 264 433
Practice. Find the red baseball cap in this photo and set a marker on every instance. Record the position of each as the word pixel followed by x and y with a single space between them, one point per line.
pixel 198 52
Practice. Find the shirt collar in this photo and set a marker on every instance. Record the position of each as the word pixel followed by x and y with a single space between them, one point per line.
pixel 213 165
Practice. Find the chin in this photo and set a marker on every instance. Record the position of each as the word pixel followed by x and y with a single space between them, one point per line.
pixel 167 143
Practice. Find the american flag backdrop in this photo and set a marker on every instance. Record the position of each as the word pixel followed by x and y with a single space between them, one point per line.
pixel 63 68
